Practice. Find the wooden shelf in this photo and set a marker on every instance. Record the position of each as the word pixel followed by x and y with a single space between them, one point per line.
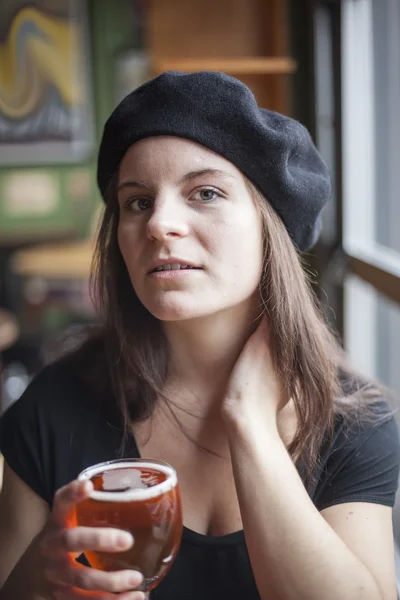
pixel 257 65
pixel 193 36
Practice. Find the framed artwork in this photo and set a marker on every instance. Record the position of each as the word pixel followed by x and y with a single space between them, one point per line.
pixel 46 108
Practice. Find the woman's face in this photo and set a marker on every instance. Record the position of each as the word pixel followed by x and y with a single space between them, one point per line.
pixel 187 210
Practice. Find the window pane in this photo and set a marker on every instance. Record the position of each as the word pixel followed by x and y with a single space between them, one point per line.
pixel 372 332
pixel 388 343
pixel 386 52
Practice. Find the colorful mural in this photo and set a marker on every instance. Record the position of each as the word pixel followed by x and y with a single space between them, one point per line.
pixel 45 113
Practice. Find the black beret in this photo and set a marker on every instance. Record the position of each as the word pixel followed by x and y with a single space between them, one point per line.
pixel 274 152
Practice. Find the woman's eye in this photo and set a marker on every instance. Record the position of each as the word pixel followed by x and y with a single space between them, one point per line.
pixel 139 204
pixel 206 195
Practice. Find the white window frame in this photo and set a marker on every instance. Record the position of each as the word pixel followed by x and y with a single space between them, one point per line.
pixel 358 165
pixel 358 172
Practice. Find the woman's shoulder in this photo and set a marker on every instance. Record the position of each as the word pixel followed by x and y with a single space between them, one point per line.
pixel 363 424
pixel 360 461
pixel 59 390
pixel 363 407
pixel 47 390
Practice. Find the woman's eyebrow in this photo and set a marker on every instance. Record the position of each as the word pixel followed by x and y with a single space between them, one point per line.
pixel 186 177
pixel 131 183
pixel 209 171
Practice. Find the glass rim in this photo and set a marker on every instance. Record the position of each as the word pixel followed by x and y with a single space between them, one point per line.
pixel 131 495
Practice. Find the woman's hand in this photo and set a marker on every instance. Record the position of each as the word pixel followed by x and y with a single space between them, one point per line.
pixel 65 578
pixel 254 393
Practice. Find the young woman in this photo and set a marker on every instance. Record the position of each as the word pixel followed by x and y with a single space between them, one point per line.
pixel 213 357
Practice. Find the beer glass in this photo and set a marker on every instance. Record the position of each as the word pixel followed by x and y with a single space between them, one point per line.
pixel 140 496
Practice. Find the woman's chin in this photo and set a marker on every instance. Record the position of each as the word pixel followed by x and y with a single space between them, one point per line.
pixel 172 314
pixel 175 312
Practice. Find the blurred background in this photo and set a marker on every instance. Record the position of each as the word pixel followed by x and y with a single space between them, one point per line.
pixel 64 65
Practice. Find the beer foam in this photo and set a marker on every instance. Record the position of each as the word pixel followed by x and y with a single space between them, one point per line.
pixel 131 495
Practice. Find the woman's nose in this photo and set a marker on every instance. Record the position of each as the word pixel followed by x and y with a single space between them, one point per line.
pixel 167 220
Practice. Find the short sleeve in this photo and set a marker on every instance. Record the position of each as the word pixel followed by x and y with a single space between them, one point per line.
pixel 33 427
pixel 56 429
pixel 364 467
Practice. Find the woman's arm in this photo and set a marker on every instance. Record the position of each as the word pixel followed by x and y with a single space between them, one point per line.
pixel 346 554
pixel 296 552
pixel 23 514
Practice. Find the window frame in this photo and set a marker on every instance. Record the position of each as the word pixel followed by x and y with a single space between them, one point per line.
pixel 372 262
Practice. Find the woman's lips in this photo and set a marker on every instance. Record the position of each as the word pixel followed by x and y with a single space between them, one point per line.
pixel 175 273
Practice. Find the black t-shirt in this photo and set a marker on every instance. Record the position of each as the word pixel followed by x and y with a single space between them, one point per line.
pixel 57 429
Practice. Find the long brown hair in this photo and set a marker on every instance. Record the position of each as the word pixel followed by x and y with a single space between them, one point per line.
pixel 306 355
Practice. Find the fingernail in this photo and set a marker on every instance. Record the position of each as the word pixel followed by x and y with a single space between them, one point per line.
pixel 124 540
pixel 88 487
pixel 135 578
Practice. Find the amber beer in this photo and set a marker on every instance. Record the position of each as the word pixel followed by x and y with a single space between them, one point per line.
pixel 142 497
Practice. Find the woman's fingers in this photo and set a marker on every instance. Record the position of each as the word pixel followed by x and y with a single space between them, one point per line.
pixel 68 593
pixel 82 539
pixel 84 578
pixel 66 498
pixel 69 580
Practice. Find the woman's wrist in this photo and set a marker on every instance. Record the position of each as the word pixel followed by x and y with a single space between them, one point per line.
pixel 243 422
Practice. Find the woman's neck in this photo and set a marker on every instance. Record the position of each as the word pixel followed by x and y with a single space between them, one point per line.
pixel 204 351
